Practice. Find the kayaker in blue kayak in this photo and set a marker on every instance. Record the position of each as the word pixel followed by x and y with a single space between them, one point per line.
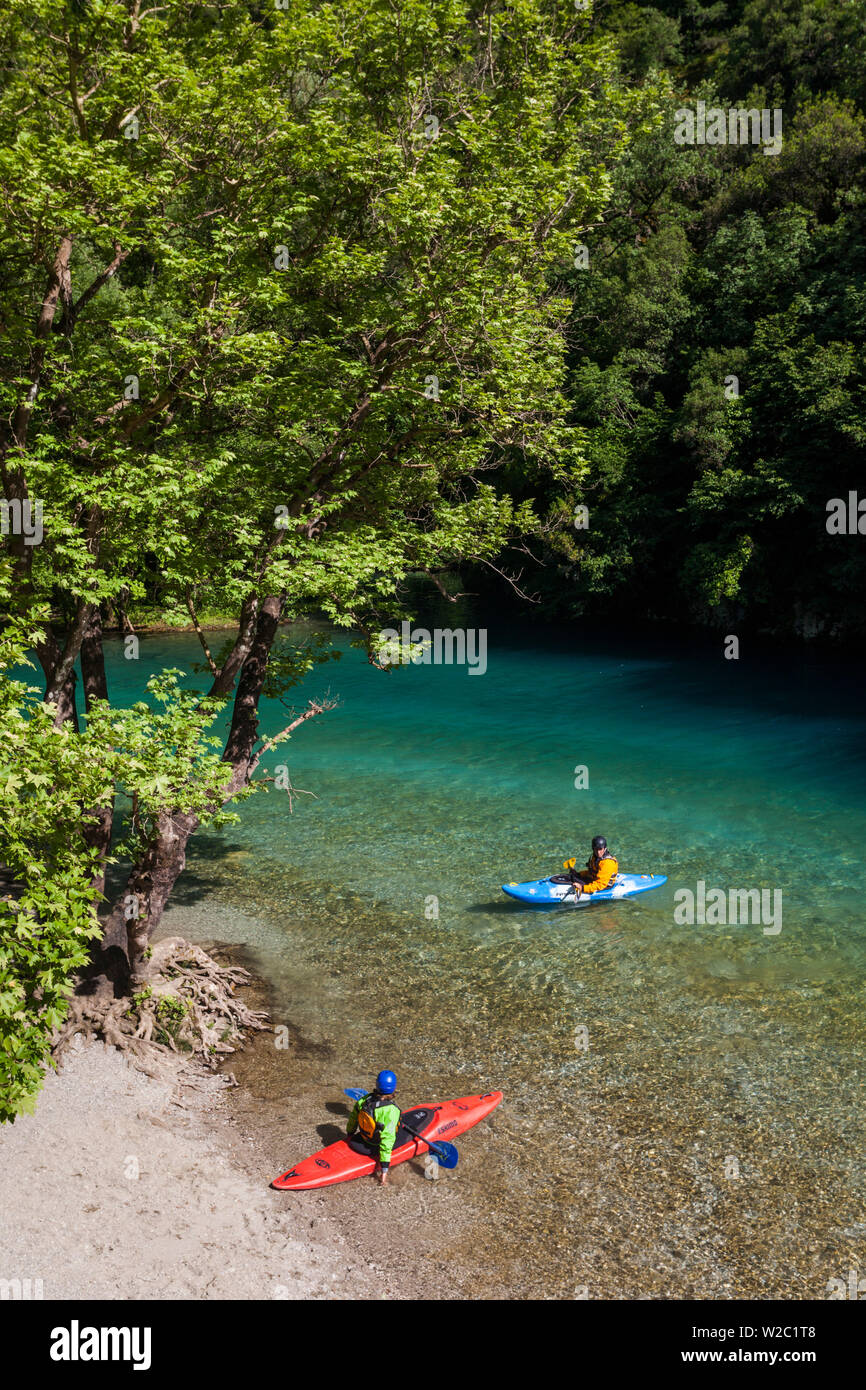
pixel 601 869
pixel 374 1122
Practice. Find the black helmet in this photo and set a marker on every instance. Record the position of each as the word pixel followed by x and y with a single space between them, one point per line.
pixel 599 842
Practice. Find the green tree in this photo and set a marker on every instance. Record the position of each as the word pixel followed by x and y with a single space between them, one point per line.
pixel 708 495
pixel 294 270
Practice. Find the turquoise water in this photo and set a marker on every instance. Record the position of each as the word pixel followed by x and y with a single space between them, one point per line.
pixel 608 1166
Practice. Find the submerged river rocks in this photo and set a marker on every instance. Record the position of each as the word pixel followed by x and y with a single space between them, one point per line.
pixel 706 1145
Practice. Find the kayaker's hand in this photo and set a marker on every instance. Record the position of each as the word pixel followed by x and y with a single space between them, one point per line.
pixel 381 1174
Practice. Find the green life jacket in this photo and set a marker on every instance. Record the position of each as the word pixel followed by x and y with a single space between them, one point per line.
pixel 369 1126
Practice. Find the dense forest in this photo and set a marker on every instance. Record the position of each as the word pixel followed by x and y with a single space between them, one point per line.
pixel 305 301
pixel 708 498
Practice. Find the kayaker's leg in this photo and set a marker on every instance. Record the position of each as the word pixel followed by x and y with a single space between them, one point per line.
pixel 576 882
pixel 359 1146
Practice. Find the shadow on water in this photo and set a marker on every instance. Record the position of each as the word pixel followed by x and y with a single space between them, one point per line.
pixel 535 916
pixel 501 909
pixel 194 885
pixel 210 847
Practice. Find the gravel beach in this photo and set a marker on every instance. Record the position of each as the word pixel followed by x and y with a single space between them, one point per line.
pixel 112 1190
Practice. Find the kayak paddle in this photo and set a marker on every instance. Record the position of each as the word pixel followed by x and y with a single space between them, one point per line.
pixel 446 1153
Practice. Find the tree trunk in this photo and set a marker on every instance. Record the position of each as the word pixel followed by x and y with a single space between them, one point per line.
pixel 97 833
pixel 49 654
pixel 245 715
pixel 137 912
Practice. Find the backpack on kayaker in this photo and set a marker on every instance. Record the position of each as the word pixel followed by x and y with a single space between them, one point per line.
pixel 369 1127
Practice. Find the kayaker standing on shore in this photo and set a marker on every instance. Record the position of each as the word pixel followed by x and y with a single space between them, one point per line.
pixel 601 869
pixel 374 1122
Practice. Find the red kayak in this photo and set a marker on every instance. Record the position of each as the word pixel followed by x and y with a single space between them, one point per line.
pixel 338 1162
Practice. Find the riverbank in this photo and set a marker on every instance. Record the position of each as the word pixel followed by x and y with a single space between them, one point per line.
pixel 425 1239
pixel 122 1186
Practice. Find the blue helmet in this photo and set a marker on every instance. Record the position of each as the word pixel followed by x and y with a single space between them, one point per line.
pixel 386 1083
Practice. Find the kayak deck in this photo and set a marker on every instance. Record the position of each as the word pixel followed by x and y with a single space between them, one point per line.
pixel 544 892
pixel 339 1162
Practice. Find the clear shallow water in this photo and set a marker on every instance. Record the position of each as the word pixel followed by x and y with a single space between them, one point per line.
pixel 605 1168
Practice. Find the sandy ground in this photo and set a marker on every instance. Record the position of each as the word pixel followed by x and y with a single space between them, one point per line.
pixel 112 1190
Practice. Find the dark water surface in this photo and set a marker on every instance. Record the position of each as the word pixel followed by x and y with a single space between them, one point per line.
pixel 708 1140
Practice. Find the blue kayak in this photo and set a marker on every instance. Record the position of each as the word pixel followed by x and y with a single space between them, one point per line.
pixel 545 892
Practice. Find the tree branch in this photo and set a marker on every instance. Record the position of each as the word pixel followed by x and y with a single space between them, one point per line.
pixel 201 637
pixel 93 289
pixel 315 707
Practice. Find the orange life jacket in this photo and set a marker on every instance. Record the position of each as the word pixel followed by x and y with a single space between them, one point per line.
pixel 603 872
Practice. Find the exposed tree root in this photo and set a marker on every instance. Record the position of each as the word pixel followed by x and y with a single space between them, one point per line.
pixel 188 1006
